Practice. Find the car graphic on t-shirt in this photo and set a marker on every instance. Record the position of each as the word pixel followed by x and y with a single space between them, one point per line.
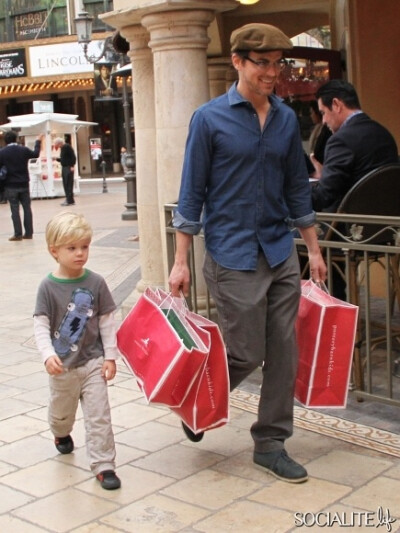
pixel 72 327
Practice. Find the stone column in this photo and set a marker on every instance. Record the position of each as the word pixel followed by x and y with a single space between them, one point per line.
pixel 217 71
pixel 179 41
pixel 152 273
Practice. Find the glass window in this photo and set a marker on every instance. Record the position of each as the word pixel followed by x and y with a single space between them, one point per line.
pixel 21 6
pixel 22 20
pixel 32 19
pixel 95 8
pixel 3 32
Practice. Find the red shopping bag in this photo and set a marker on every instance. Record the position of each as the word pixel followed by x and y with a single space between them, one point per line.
pixel 326 329
pixel 207 404
pixel 162 349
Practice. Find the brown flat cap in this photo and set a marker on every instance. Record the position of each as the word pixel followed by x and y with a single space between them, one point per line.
pixel 259 38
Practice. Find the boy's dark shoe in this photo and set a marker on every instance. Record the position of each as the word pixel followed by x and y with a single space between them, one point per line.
pixel 109 480
pixel 194 437
pixel 15 238
pixel 280 465
pixel 64 444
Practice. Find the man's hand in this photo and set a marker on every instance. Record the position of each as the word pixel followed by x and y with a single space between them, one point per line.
pixel 179 279
pixel 318 270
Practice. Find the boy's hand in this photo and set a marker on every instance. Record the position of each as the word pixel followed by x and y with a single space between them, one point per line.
pixel 54 365
pixel 109 369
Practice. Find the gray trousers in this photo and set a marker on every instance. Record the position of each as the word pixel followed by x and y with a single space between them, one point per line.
pixel 68 183
pixel 86 384
pixel 257 313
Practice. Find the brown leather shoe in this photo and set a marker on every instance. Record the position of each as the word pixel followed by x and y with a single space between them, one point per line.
pixel 15 238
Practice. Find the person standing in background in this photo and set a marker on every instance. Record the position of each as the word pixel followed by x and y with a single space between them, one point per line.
pixel 68 160
pixel 15 158
pixel 124 155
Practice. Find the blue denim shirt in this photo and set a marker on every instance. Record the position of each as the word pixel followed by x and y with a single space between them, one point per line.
pixel 247 188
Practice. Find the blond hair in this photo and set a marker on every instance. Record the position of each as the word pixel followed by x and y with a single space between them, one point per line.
pixel 67 227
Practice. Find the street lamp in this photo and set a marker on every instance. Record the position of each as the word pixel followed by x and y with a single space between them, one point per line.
pixel 130 174
pixel 83 25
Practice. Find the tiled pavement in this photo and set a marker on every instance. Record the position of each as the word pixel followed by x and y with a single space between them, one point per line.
pixel 168 483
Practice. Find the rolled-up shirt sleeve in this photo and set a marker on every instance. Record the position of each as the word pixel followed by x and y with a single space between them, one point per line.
pixel 302 222
pixel 186 226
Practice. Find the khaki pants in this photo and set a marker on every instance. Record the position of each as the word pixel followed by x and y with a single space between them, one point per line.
pixel 87 385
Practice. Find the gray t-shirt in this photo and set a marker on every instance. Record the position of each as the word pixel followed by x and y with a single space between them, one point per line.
pixel 73 307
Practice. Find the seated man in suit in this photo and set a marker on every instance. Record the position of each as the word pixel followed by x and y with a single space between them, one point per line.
pixel 357 146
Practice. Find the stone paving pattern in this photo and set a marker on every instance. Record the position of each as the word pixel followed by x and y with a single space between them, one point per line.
pixel 168 483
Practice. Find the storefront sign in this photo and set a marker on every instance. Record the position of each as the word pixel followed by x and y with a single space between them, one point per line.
pixel 56 59
pixel 12 64
pixel 43 106
pixel 30 25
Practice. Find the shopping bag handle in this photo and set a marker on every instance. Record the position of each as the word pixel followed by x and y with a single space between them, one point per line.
pixel 320 284
pixel 178 302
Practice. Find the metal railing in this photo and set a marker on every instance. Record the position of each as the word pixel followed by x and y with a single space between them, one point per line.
pixel 355 244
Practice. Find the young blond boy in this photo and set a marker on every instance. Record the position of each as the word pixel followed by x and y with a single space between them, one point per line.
pixel 75 334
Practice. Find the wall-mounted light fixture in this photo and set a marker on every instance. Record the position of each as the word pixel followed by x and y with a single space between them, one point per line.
pixel 248 2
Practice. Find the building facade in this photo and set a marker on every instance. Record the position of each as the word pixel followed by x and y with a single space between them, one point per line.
pixel 40 60
pixel 180 51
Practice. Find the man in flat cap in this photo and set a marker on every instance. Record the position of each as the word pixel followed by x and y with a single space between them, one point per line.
pixel 245 183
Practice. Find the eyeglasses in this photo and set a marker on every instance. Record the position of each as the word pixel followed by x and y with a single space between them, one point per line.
pixel 264 64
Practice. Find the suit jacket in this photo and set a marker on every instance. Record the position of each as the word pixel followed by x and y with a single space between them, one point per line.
pixel 359 146
pixel 320 143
